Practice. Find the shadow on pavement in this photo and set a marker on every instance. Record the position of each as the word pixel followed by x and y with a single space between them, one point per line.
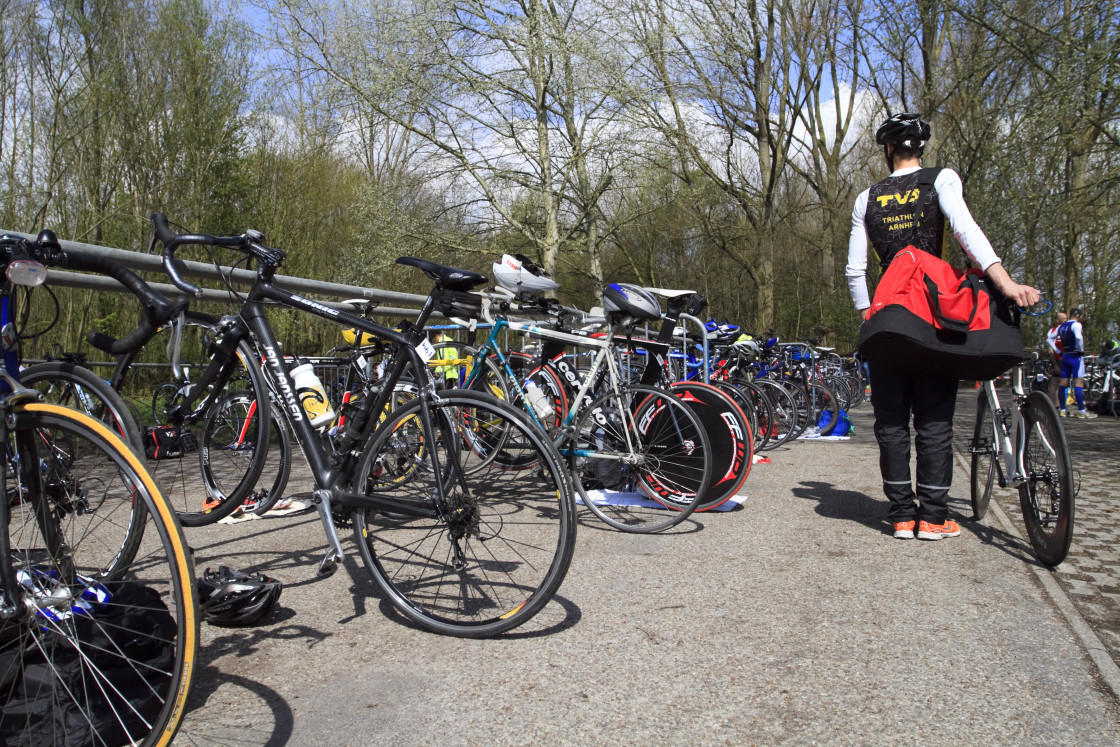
pixel 253 713
pixel 850 505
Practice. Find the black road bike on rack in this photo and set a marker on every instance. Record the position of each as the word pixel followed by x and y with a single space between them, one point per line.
pixel 459 544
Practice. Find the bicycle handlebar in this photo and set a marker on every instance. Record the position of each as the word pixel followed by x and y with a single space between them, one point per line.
pixel 249 243
pixel 156 308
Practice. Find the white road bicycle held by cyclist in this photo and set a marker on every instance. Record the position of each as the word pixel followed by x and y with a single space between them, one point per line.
pixel 1023 444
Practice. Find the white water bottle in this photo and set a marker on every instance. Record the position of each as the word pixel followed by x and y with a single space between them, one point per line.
pixel 538 400
pixel 312 395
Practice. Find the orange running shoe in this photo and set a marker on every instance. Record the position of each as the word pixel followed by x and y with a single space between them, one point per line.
pixel 927 531
pixel 904 530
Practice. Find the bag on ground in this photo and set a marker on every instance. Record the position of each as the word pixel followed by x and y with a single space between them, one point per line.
pixel 842 427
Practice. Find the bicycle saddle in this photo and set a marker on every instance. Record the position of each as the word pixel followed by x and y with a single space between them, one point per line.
pixel 666 293
pixel 445 277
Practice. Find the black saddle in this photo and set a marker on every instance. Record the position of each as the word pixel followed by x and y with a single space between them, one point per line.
pixel 451 278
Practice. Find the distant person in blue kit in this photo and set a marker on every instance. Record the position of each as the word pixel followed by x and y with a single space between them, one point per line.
pixel 1071 334
pixel 896 394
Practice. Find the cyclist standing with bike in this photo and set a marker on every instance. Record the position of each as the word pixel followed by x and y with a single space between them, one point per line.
pixel 911 207
pixel 1072 350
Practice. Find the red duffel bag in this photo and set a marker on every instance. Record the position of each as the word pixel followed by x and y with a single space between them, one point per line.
pixel 928 317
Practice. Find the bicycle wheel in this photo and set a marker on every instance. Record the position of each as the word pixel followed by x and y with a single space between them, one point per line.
pixel 224 446
pixel 729 435
pixel 784 405
pixel 233 445
pixel 640 459
pixel 756 404
pixel 813 402
pixel 80 389
pixel 100 655
pixel 843 392
pixel 273 479
pixel 826 406
pixel 985 452
pixel 499 548
pixel 856 387
pixel 1046 495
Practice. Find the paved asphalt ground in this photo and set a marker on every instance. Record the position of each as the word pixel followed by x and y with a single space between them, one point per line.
pixel 795 619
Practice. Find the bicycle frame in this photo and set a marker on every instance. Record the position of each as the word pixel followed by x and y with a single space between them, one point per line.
pixel 1009 439
pixel 328 478
pixel 581 385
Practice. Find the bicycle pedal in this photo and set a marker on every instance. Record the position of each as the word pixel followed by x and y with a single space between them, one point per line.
pixel 328 565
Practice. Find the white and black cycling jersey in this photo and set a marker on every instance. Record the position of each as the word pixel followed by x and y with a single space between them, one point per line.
pixel 951 205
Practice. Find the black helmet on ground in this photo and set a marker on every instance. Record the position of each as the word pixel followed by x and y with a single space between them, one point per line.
pixel 230 597
pixel 906 130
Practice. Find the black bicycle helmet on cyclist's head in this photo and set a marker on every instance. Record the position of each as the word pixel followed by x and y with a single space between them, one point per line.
pixel 230 597
pixel 907 130
pixel 627 303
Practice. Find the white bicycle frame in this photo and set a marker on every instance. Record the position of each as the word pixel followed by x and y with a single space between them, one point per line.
pixel 604 356
pixel 1009 440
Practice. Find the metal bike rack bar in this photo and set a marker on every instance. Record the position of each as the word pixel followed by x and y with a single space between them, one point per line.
pixel 704 337
pixel 154 263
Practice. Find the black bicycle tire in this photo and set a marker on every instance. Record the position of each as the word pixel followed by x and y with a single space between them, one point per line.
pixel 187 492
pixel 123 424
pixel 856 384
pixel 1051 547
pixel 983 471
pixel 247 481
pixel 841 387
pixel 267 498
pixel 58 640
pixel 694 483
pixel 281 428
pixel 552 504
pixel 783 410
pixel 801 409
pixel 828 401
